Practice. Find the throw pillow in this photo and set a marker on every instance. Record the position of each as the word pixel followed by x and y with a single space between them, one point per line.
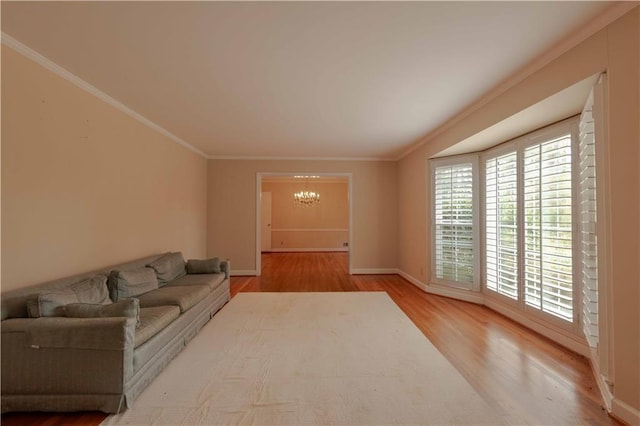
pixel 129 308
pixel 50 304
pixel 208 266
pixel 125 284
pixel 168 267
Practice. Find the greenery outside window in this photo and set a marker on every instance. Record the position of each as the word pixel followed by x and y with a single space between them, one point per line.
pixel 529 193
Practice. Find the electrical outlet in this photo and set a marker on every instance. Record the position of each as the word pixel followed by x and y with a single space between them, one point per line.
pixel 345 244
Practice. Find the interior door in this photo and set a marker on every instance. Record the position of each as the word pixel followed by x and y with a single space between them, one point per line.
pixel 265 219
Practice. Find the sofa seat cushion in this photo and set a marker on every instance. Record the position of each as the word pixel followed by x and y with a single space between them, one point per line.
pixel 183 296
pixel 212 281
pixel 153 320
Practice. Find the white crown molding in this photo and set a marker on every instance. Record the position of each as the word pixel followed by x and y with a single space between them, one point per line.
pixel 617 10
pixel 230 157
pixel 26 51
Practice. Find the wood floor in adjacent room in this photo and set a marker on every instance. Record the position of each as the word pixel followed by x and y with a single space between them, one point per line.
pixel 525 376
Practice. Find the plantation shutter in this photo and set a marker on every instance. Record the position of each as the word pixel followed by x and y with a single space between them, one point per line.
pixel 548 237
pixel 453 223
pixel 501 215
pixel 588 219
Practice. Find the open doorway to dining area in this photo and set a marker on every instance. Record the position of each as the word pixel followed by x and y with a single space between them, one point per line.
pixel 303 213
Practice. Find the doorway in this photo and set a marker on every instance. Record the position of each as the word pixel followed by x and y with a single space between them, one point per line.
pixel 283 226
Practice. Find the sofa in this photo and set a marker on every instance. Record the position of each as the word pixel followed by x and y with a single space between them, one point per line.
pixel 94 341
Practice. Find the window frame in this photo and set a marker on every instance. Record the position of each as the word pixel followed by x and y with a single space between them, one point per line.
pixel 518 145
pixel 434 163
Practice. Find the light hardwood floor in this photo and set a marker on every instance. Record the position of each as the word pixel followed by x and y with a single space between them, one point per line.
pixel 528 378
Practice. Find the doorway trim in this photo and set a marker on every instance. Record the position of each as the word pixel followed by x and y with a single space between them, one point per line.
pixel 260 175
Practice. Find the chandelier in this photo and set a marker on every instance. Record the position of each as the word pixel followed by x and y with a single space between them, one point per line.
pixel 306 198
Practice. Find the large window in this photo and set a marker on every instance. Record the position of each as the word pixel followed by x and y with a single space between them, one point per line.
pixel 526 211
pixel 527 227
pixel 529 236
pixel 455 259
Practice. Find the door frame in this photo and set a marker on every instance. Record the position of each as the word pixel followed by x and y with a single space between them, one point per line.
pixel 260 175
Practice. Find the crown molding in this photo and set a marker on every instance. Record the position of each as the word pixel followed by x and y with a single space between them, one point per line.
pixel 248 158
pixel 26 51
pixel 617 10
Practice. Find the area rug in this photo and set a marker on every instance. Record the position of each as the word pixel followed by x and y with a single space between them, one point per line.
pixel 309 359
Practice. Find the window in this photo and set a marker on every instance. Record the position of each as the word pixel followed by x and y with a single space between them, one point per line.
pixel 541 247
pixel 501 239
pixel 455 258
pixel 548 237
pixel 528 213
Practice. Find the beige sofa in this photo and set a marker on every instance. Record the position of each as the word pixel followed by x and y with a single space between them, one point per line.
pixel 67 345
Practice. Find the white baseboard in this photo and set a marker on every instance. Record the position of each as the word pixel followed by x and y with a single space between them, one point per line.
pixel 373 271
pixel 603 386
pixel 243 273
pixel 454 293
pixel 457 293
pixel 556 335
pixel 305 250
pixel 422 286
pixel 625 412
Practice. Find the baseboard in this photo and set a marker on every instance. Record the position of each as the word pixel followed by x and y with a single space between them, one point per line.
pixel 454 293
pixel 305 250
pixel 625 412
pixel 373 271
pixel 457 293
pixel 243 273
pixel 547 331
pixel 603 387
pixel 422 286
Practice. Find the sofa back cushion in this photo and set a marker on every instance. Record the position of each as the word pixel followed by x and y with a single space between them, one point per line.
pixel 126 284
pixel 168 267
pixel 51 303
pixel 207 266
pixel 13 303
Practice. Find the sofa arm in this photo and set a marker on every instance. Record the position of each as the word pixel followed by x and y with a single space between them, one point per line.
pixel 225 266
pixel 115 333
pixel 59 356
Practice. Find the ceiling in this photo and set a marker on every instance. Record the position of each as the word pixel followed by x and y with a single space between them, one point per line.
pixel 295 79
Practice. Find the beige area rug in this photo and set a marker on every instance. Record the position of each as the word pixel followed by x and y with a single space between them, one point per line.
pixel 309 358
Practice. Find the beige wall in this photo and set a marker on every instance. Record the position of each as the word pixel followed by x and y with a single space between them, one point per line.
pixel 324 226
pixel 84 185
pixel 614 49
pixel 232 208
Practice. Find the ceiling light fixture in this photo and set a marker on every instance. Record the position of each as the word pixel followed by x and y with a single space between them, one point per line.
pixel 306 198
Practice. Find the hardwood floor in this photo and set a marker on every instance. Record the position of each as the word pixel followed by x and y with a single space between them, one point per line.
pixel 525 376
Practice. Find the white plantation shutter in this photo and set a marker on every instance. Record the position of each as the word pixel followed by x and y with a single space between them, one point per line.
pixel 547 224
pixel 501 215
pixel 588 238
pixel 453 203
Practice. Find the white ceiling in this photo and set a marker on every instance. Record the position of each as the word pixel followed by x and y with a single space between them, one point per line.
pixel 295 79
pixel 566 103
